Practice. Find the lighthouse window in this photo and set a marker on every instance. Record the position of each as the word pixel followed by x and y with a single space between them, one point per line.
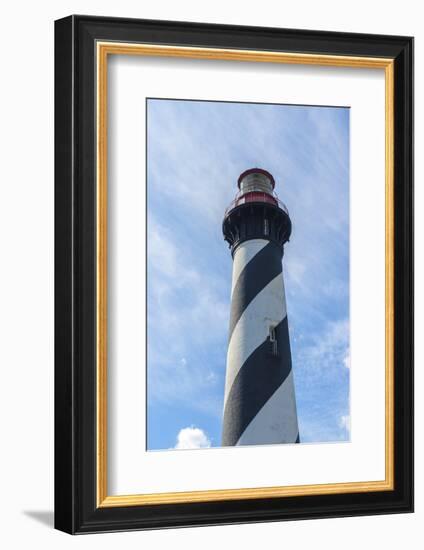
pixel 266 227
pixel 273 341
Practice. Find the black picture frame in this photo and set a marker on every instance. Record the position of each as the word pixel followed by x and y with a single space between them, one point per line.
pixel 76 509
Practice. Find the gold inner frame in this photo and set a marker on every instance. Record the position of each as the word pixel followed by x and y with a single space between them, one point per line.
pixel 104 49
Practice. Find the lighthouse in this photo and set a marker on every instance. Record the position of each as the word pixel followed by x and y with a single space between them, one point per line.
pixel 259 401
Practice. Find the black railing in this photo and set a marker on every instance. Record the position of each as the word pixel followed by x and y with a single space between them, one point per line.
pixel 256 197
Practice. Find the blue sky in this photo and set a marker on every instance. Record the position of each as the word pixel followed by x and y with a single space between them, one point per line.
pixel 196 151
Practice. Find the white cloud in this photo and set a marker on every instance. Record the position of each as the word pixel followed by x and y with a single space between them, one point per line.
pixel 295 271
pixel 328 346
pixel 186 314
pixel 322 382
pixel 211 377
pixel 345 422
pixel 192 438
pixel 346 360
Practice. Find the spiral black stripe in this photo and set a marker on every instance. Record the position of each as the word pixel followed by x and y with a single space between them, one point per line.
pixel 255 276
pixel 259 377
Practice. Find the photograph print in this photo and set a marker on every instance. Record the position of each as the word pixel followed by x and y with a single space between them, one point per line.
pixel 247 274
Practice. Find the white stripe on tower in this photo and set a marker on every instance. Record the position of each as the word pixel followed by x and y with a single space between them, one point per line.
pixel 243 257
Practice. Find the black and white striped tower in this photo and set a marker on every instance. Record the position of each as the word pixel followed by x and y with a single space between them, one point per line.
pixel 259 402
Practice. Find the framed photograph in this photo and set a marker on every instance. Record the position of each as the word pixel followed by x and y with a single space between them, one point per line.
pixel 234 274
